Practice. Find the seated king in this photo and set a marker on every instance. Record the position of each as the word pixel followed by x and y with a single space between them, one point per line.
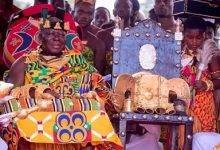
pixel 76 118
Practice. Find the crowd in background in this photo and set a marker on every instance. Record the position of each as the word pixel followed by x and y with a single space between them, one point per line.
pixel 95 26
pixel 99 21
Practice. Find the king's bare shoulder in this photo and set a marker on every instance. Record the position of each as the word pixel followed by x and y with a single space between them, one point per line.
pixel 17 71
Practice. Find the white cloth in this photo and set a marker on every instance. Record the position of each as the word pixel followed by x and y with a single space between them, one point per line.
pixel 148 141
pixel 3 145
pixel 205 140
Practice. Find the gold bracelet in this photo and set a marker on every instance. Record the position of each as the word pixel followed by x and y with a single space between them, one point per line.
pixel 214 72
pixel 209 84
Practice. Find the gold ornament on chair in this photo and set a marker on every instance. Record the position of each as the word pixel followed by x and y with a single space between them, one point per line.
pixel 150 93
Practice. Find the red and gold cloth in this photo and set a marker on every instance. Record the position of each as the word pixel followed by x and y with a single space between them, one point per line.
pixel 202 109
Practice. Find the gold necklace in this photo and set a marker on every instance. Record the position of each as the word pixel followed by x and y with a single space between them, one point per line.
pixel 190 52
pixel 53 61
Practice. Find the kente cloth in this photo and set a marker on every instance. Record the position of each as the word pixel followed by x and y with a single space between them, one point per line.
pixel 62 130
pixel 88 54
pixel 24 100
pixel 70 71
pixel 69 76
pixel 68 127
pixel 202 107
pixel 109 59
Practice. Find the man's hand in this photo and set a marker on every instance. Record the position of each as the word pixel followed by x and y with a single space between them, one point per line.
pixel 50 94
pixel 200 85
pixel 5 119
pixel 5 88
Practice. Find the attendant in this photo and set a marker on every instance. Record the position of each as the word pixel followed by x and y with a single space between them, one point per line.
pixel 94 50
pixel 201 70
pixel 163 14
pixel 102 16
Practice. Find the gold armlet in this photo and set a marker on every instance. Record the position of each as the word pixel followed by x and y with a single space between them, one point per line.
pixel 215 72
pixel 209 84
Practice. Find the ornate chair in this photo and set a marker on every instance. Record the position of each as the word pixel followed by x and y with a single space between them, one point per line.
pixel 148 48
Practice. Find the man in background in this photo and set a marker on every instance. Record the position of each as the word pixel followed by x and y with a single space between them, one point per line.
pixel 163 14
pixel 123 9
pixel 94 50
pixel 102 16
pixel 210 30
pixel 83 15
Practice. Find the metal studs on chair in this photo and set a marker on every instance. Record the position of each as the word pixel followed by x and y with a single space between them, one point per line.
pixel 134 117
pixel 144 116
pixel 136 23
pixel 190 118
pixel 147 25
pixel 178 65
pixel 122 134
pixel 147 35
pixel 167 117
pixel 180 118
pixel 167 35
pixel 116 39
pixel 115 62
pixel 178 51
pixel 158 35
pixel 156 116
pixel 178 42
pixel 115 75
pixel 189 137
pixel 127 28
pixel 123 115
pixel 115 49
pixel 137 34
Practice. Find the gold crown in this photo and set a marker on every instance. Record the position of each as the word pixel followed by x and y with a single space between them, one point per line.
pixel 46 24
